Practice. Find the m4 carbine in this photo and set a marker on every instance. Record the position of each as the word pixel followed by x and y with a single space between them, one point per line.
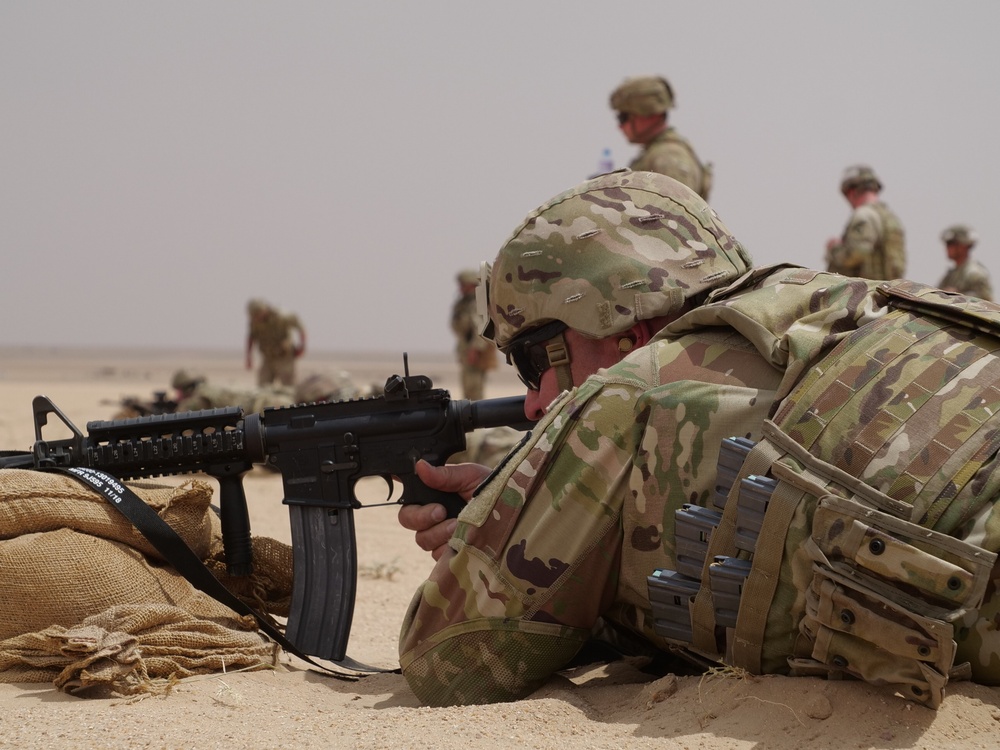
pixel 321 449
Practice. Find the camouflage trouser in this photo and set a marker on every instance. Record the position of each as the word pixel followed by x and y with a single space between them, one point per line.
pixel 280 370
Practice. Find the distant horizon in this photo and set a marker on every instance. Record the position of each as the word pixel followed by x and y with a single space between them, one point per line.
pixel 206 350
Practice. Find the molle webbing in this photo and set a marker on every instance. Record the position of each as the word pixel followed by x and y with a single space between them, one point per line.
pixel 909 404
pixel 881 456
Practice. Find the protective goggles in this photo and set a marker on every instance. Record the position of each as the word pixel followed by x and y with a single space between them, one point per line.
pixel 623 117
pixel 534 352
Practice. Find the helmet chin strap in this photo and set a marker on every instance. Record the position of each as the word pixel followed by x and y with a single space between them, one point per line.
pixel 559 359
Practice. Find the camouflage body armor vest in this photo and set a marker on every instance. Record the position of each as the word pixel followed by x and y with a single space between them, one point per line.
pixel 707 170
pixel 889 259
pixel 857 538
pixel 670 136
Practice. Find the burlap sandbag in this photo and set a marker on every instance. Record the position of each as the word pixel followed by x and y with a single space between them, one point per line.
pixel 134 648
pixel 71 561
pixel 33 501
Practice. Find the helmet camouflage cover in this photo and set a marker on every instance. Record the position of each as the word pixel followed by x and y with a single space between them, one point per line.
pixel 256 306
pixel 644 95
pixel 960 234
pixel 622 247
pixel 860 176
pixel 468 276
pixel 184 380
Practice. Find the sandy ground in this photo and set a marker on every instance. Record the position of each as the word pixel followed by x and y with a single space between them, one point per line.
pixel 612 706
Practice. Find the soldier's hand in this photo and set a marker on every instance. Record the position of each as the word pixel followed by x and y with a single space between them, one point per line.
pixel 433 529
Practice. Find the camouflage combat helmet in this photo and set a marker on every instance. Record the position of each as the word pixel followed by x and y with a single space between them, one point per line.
pixel 255 306
pixel 616 249
pixel 644 95
pixel 960 234
pixel 468 276
pixel 184 380
pixel 859 176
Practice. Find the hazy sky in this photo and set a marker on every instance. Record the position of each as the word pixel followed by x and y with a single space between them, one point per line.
pixel 162 162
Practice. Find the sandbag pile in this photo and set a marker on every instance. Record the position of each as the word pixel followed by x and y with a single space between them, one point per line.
pixel 90 605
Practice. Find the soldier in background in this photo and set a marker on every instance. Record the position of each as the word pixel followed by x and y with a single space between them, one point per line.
pixel 133 406
pixel 194 393
pixel 322 387
pixel 476 355
pixel 967 276
pixel 271 331
pixel 873 244
pixel 642 104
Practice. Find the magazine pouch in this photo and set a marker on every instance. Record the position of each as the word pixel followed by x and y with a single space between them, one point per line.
pixel 884 598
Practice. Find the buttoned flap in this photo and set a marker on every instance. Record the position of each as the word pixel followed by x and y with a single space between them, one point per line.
pixel 934 567
pixel 853 629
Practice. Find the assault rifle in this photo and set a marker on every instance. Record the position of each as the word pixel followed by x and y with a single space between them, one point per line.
pixel 321 450
pixel 136 407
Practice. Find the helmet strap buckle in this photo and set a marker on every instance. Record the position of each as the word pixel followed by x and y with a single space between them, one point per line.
pixel 557 351
pixel 558 354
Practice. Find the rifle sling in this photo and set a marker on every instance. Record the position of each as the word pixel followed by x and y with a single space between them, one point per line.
pixel 176 551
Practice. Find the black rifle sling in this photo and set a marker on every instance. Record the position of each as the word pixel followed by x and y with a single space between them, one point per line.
pixel 176 551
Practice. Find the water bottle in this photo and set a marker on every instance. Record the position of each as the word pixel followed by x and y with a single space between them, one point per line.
pixel 606 164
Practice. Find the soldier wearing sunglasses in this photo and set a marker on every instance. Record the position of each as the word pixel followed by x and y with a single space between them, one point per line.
pixel 642 105
pixel 645 338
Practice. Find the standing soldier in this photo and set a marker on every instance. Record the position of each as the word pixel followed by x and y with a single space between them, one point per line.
pixel 271 330
pixel 967 276
pixel 642 104
pixel 872 246
pixel 475 354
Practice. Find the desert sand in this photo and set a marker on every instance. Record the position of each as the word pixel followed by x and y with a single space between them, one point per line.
pixel 605 706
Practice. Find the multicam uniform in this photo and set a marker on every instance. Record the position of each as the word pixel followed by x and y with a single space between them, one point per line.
pixel 875 408
pixel 208 396
pixel 536 560
pixel 970 278
pixel 476 356
pixel 667 153
pixel 872 246
pixel 273 336
pixel 670 154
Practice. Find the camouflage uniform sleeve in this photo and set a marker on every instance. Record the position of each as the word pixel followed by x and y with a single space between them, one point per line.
pixel 858 243
pixel 978 282
pixel 534 560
